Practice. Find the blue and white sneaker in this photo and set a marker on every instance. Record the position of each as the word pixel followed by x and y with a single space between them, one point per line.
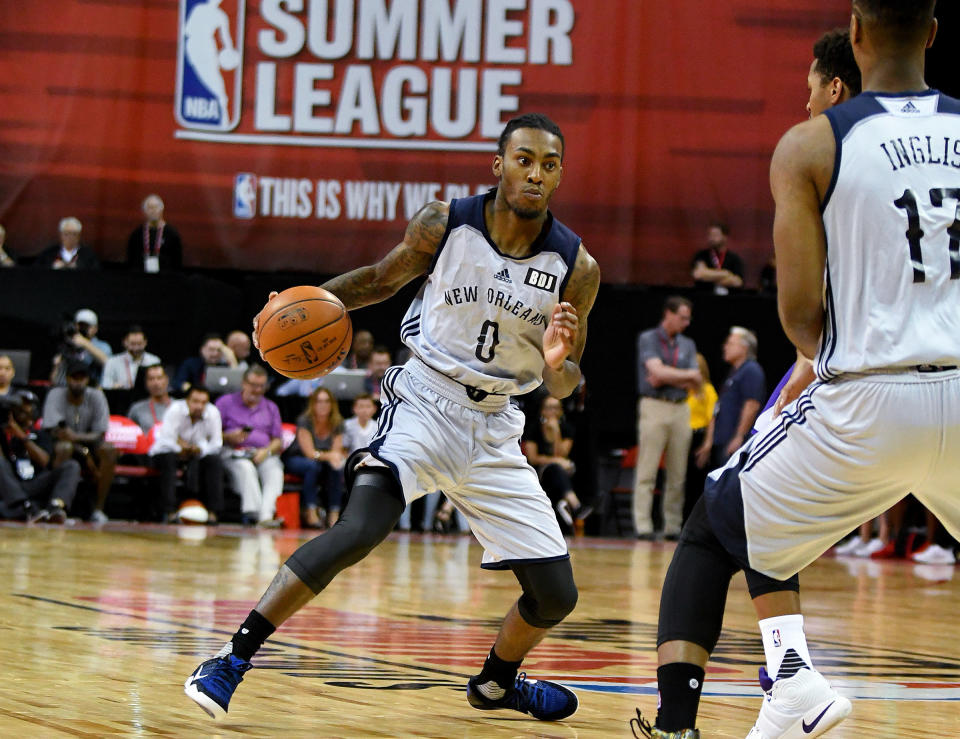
pixel 541 699
pixel 212 684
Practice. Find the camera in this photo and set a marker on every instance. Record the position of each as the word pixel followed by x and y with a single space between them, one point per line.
pixel 8 403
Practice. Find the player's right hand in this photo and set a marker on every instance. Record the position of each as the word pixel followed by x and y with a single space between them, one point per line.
pixel 256 323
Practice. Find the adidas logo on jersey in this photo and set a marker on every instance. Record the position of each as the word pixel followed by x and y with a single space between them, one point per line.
pixel 503 276
pixel 909 108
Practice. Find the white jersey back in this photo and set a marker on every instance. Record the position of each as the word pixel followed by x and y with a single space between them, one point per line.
pixel 480 316
pixel 892 223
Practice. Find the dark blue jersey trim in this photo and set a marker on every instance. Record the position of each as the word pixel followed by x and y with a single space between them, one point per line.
pixel 553 237
pixel 842 118
pixel 948 104
pixel 506 564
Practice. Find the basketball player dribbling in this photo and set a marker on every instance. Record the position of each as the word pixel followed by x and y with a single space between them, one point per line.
pixel 504 306
pixel 883 415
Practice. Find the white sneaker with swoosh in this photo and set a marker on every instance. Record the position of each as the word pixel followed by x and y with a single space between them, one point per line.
pixel 798 707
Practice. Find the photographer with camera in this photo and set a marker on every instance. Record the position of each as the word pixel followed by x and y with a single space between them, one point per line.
pixel 79 343
pixel 77 416
pixel 29 489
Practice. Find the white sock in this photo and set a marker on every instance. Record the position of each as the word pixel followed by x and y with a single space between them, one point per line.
pixel 781 635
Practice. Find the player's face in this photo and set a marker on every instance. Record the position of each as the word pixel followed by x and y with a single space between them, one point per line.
pixel 6 371
pixel 529 171
pixel 820 97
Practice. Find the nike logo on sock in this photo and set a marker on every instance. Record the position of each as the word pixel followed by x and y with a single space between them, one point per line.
pixel 244 631
pixel 808 728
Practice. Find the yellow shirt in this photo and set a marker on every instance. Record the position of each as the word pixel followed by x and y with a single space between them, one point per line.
pixel 701 406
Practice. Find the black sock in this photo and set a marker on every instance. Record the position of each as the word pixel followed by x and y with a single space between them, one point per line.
pixel 251 635
pixel 679 684
pixel 500 671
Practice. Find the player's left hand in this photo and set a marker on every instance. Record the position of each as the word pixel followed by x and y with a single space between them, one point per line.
pixel 561 334
pixel 256 324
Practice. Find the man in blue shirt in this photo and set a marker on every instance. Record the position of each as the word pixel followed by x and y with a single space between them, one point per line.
pixel 741 399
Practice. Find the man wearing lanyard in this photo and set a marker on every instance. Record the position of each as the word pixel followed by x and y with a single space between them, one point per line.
pixel 154 245
pixel 666 369
pixel 716 267
pixel 120 371
pixel 149 412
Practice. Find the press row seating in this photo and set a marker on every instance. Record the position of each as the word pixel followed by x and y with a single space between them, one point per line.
pixel 130 440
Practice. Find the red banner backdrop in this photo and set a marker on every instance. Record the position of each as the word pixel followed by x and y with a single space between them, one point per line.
pixel 302 134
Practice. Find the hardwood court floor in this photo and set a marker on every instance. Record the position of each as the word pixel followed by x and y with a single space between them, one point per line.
pixel 100 627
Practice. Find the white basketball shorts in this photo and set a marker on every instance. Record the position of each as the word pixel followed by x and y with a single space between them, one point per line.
pixel 841 454
pixel 434 437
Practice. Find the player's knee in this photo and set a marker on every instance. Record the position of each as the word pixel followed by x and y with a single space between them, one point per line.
pixel 551 607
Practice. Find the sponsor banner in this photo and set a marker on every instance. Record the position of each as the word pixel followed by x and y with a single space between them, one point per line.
pixel 303 134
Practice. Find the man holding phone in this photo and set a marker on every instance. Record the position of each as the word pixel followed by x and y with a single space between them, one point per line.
pixel 252 442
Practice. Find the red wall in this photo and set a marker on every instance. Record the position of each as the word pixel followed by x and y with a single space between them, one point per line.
pixel 670 112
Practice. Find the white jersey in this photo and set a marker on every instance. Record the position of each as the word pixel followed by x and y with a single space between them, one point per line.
pixel 480 316
pixel 892 223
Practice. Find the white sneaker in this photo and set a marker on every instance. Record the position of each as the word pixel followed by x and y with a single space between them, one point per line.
pixel 848 547
pixel 867 548
pixel 98 516
pixel 798 707
pixel 935 555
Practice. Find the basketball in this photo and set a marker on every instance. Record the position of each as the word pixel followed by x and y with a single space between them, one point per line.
pixel 229 59
pixel 192 511
pixel 304 332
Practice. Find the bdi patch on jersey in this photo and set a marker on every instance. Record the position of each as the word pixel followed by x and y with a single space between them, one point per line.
pixel 543 280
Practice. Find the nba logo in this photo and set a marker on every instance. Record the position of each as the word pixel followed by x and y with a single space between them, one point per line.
pixel 245 195
pixel 777 641
pixel 209 64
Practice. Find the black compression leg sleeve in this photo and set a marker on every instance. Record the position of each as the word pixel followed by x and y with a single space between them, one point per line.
pixel 549 592
pixel 760 584
pixel 695 589
pixel 376 503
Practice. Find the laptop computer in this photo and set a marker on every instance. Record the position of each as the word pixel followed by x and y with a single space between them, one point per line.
pixel 220 380
pixel 345 384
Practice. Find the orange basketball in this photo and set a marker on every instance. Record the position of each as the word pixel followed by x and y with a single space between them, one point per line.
pixel 304 332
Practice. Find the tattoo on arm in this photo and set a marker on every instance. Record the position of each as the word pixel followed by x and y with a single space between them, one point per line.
pixel 581 292
pixel 406 261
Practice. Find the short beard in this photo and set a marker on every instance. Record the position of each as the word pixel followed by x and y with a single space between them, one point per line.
pixel 526 214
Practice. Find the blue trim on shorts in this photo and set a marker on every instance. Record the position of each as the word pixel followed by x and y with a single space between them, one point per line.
pixel 723 498
pixel 773 439
pixel 506 564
